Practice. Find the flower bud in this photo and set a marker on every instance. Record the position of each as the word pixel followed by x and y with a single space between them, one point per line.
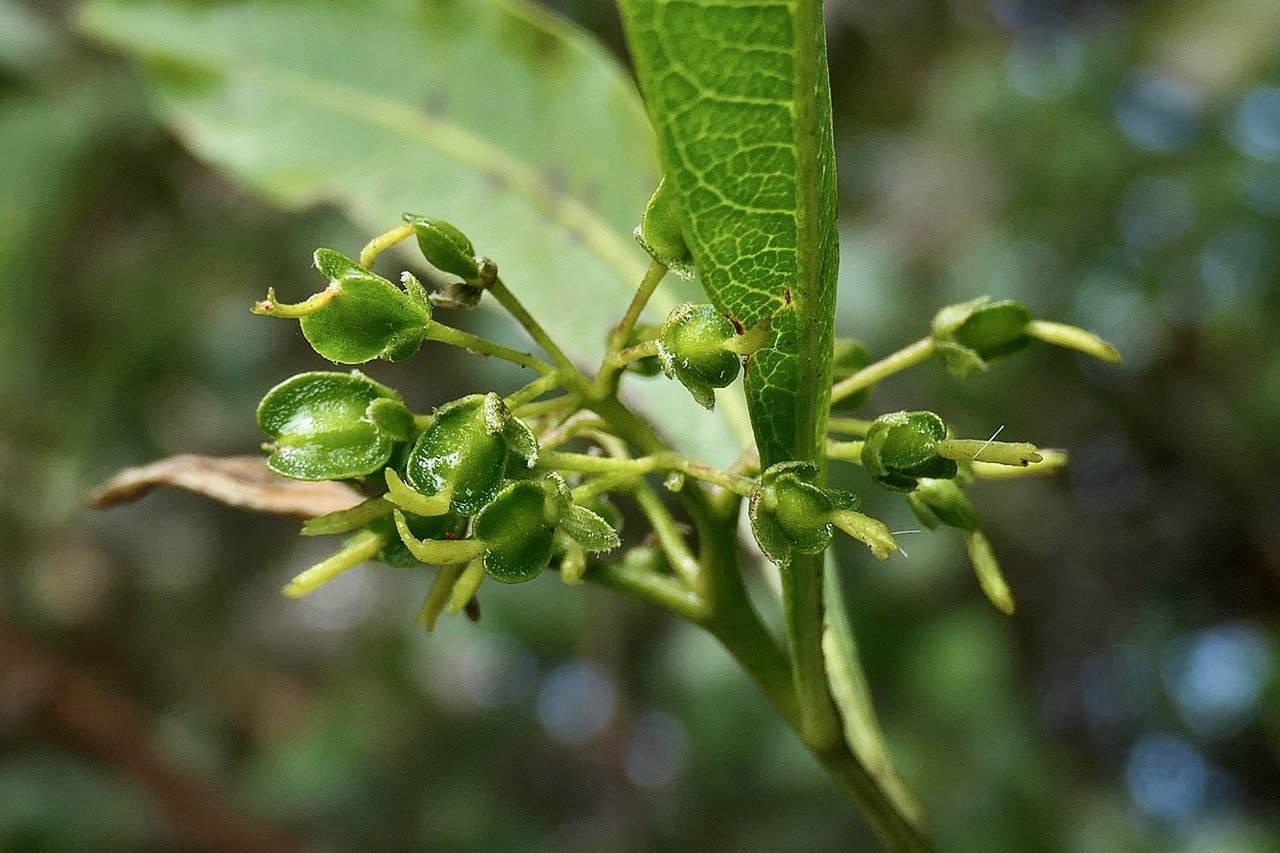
pixel 661 231
pixel 970 335
pixel 789 512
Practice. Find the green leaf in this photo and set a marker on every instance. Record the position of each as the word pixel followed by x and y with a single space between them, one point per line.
pixel 494 116
pixel 748 148
pixel 332 426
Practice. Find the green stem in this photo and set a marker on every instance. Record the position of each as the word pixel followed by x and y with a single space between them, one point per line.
pixel 652 278
pixel 382 242
pixel 603 484
pixel 577 423
pixel 362 547
pixel 665 591
pixel 606 381
pixel 548 407
pixel 622 358
pixel 464 588
pixel 906 357
pixel 848 426
pixel 532 391
pixel 568 370
pixel 735 622
pixel 845 451
pixel 474 343
pixel 670 538
pixel 441 588
pixel 819 724
pixel 661 462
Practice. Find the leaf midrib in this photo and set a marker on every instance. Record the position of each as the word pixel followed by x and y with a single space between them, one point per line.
pixel 809 230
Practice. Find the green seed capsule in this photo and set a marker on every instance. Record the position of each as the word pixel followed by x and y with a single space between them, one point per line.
pixel 902 447
pixel 332 426
pixel 360 316
pixel 691 347
pixel 789 512
pixel 463 454
pixel 445 247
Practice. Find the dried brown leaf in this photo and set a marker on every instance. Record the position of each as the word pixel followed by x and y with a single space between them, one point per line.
pixel 240 481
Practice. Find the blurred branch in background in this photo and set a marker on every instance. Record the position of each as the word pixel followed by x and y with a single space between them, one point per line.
pixel 41 692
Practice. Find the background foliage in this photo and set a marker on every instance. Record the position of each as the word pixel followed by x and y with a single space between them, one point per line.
pixel 1112 165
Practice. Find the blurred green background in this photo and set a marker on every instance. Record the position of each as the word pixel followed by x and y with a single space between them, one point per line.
pixel 1112 164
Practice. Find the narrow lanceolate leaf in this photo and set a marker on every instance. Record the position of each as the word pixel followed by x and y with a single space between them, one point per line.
pixel 730 88
pixel 490 114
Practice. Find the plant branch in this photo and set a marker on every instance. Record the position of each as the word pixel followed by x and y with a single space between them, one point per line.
pixel 382 242
pixel 606 381
pixel 666 591
pixel 672 540
pixel 481 346
pixel 819 724
pixel 532 391
pixel 665 461
pixel 568 370
pixel 908 356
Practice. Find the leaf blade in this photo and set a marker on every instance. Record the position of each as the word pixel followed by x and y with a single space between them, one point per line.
pixel 491 114
pixel 730 90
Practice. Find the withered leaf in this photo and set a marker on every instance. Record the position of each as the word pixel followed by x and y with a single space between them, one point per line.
pixel 239 481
